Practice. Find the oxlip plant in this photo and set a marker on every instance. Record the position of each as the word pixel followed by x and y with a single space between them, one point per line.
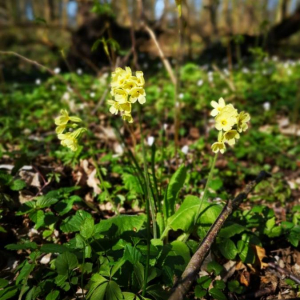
pixel 131 257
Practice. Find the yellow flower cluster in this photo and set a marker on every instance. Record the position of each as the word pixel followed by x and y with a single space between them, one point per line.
pixel 68 139
pixel 229 122
pixel 126 89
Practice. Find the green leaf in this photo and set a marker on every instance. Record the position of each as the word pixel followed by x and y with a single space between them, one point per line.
pixel 215 267
pixel 294 236
pixel 73 223
pixel 28 245
pixel 132 183
pixel 235 287
pixel 64 206
pixel 138 270
pixel 217 294
pixel 231 229
pixel 132 254
pixel 8 292
pixel 199 292
pixel 113 291
pixel 246 253
pixel 66 262
pixel 129 296
pixel 99 292
pixel 52 295
pixel 117 225
pixel 219 284
pixel 53 248
pixel 171 194
pixel 45 201
pixel 3 283
pixel 184 217
pixel 228 248
pixel 25 271
pixel 216 184
pixel 157 292
pixel 204 281
pixel 17 185
pixel 87 228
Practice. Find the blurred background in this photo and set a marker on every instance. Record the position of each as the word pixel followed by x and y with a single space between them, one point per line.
pixel 68 33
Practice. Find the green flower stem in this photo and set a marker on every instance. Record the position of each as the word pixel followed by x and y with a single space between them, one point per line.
pixel 103 187
pixel 149 206
pixel 204 197
pixel 149 191
pixel 83 262
pixel 153 151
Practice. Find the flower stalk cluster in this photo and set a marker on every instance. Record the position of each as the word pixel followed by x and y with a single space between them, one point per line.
pixel 230 124
pixel 68 139
pixel 126 89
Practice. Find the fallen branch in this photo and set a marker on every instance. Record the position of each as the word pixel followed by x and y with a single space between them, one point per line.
pixel 35 63
pixel 190 273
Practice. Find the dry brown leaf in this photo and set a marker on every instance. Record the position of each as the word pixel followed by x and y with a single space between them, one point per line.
pixel 94 182
pixel 240 266
pixel 260 254
pixel 245 278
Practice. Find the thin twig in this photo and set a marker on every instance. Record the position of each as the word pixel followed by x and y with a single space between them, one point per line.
pixel 227 80
pixel 257 294
pixel 285 272
pixel 184 283
pixel 35 63
pixel 101 100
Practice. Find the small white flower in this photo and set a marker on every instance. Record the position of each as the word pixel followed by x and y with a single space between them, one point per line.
pixel 177 104
pixel 38 81
pixel 226 72
pixel 150 140
pixel 185 149
pixel 245 70
pixel 79 71
pixel 200 82
pixel 92 95
pixel 267 106
pixel 181 95
pixel 165 126
pixel 53 87
pixel 57 70
pixel 274 58
pixel 66 96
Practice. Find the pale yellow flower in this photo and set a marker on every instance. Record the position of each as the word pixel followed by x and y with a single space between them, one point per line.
pixel 119 76
pixel 126 89
pixel 140 78
pixel 217 107
pixel 218 146
pixel 60 129
pixel 120 94
pixel 64 118
pixel 226 119
pixel 69 141
pixel 127 117
pixel 230 137
pixel 129 85
pixel 242 120
pixel 137 93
